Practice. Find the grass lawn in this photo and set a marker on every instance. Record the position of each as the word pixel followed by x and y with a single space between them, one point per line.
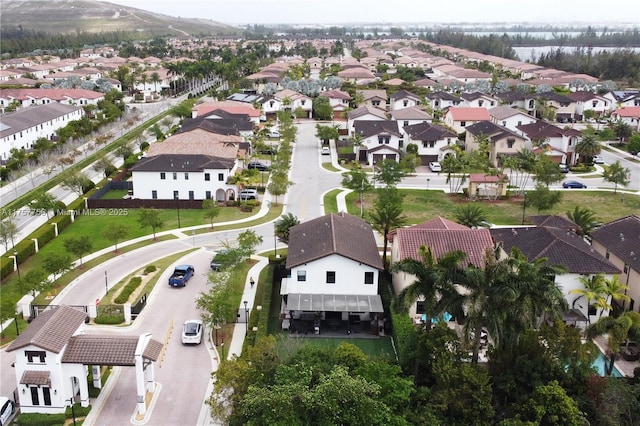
pixel 421 205
pixel 381 347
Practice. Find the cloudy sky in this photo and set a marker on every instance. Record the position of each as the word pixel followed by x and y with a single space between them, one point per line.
pixel 396 11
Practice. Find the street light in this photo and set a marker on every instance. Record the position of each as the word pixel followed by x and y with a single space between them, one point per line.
pixel 15 253
pixel 178 209
pixel 275 241
pixel 361 203
pixel 246 316
pixel 106 285
pixel 222 347
pixel 428 180
pixel 524 206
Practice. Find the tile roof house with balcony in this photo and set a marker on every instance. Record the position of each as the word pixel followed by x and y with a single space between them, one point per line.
pixel 434 141
pixel 381 140
pixel 458 118
pixel 510 117
pixel 560 247
pixel 554 141
pixel 619 241
pixel 502 141
pixel 589 101
pixel 374 98
pixel 442 236
pixel 364 112
pixel 628 115
pixel 442 100
pixel 334 265
pixel 478 100
pixel 53 355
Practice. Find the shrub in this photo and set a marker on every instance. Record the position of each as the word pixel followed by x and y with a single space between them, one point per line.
pixel 149 269
pixel 126 292
pixel 109 319
pixel 110 169
pixel 87 186
pixel 38 419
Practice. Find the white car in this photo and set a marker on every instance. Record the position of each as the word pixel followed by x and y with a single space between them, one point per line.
pixel 598 160
pixel 192 332
pixel 434 166
pixel 7 407
pixel 325 150
pixel 274 134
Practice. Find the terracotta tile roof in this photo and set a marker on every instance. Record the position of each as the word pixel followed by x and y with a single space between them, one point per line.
pixel 57 94
pixel 336 94
pixel 559 246
pixel 152 350
pixel 35 377
pixel 410 113
pixel 469 114
pixel 341 234
pixel 504 111
pixel 107 350
pixel 553 221
pixel 439 223
pixel 543 130
pixel 631 112
pixel 229 106
pixel 622 238
pixel 198 142
pixel 365 109
pixel 482 178
pixel 50 330
pixel 474 242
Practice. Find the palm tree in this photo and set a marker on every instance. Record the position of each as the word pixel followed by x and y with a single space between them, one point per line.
pixel 429 278
pixel 155 79
pixel 594 292
pixel 584 218
pixel 618 330
pixel 588 147
pixel 622 130
pixel 615 290
pixel 471 215
pixel 283 225
pixel 387 215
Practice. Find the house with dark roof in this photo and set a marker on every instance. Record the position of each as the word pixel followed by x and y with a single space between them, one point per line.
pixel 559 144
pixel 434 142
pixel 381 140
pixel 563 106
pixel 502 141
pixel 478 100
pixel 589 101
pixel 442 100
pixel 510 117
pixel 221 122
pixel 333 265
pixel 564 248
pixel 442 236
pixel 364 112
pixel 619 241
pixel 403 99
pixel 53 355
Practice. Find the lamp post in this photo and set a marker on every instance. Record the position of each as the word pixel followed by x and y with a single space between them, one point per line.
pixel 275 241
pixel 73 411
pixel 178 209
pixel 428 180
pixel 246 316
pixel 106 284
pixel 361 202
pixel 15 253
pixel 222 348
pixel 524 206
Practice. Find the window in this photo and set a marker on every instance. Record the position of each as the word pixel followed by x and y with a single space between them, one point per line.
pixel 35 400
pixel 220 177
pixel 428 144
pixel 207 195
pixel 176 195
pixel 504 123
pixel 175 176
pixel 420 307
pixel 406 123
pixel 368 277
pixel 207 177
pixel 463 123
pixel 38 356
pixel 331 277
pixel 510 143
pixel 626 268
pixel 163 175
pixel 302 275
pixel 480 103
pixel 154 194
pixel 46 396
pixel 405 103
pixel 186 176
pixel 191 195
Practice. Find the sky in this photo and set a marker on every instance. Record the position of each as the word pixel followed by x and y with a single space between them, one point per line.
pixel 395 11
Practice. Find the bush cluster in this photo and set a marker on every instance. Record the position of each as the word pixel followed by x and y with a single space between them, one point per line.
pixel 126 292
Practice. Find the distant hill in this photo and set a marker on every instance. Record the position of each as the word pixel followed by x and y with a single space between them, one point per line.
pixel 73 16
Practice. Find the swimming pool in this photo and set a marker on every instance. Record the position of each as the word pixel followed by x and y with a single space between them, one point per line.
pixel 599 363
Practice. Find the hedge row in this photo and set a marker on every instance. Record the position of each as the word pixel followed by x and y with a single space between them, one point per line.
pixel 128 290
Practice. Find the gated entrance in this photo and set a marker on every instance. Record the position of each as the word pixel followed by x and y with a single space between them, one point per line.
pixel 139 306
pixel 38 309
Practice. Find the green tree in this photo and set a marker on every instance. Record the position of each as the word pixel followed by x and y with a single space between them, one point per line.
pixel 211 210
pixel 56 263
pixel 283 225
pixel 8 231
pixel 542 198
pixel 588 147
pixel 622 130
pixel 326 133
pixel 471 215
pixel 594 291
pixel 103 165
pixel 43 202
pixel 115 232
pixel 356 179
pixel 546 171
pixel 634 144
pixel 322 109
pixel 78 246
pixel 617 174
pixel 76 182
pixel 410 162
pixel 389 173
pixel 278 186
pixel 150 218
pixel 36 281
pixel 387 215
pixel 584 218
pixel 618 331
pixel 549 405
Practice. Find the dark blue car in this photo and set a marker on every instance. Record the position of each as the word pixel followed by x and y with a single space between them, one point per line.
pixel 573 184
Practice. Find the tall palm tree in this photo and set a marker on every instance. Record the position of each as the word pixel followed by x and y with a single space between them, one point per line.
pixel 618 331
pixel 615 290
pixel 594 292
pixel 387 215
pixel 584 218
pixel 588 147
pixel 283 225
pixel 430 275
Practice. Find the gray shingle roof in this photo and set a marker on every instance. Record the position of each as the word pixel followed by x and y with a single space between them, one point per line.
pixel 182 163
pixel 27 118
pixel 341 234
pixel 428 132
pixel 369 128
pixel 553 221
pixel 50 330
pixel 622 238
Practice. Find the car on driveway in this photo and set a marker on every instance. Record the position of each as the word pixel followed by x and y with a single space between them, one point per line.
pixel 434 166
pixel 274 134
pixel 7 407
pixel 219 259
pixel 325 150
pixel 563 168
pixel 248 194
pixel 192 332
pixel 257 165
pixel 573 184
pixel 598 160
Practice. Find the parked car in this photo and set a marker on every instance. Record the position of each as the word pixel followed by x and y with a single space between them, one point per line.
pixel 219 259
pixel 258 166
pixel 434 166
pixel 192 332
pixel 181 274
pixel 7 407
pixel 598 160
pixel 564 168
pixel 325 150
pixel 274 134
pixel 573 184
pixel 248 194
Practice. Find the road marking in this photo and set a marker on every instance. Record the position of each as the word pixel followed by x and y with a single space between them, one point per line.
pixel 166 343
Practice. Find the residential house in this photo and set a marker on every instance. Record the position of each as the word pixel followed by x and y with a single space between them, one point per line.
pixel 559 144
pixel 442 100
pixel 339 101
pixel 333 266
pixel 563 106
pixel 441 236
pixel 403 99
pixel 374 98
pixel 411 115
pixel 364 112
pixel 589 101
pixel 502 141
pixel 53 355
pixel 434 142
pixel 357 75
pixel 628 115
pixel 293 101
pixel 426 83
pixel 478 100
pixel 458 118
pixel 30 96
pixel 381 140
pixel 510 117
pixel 623 98
pixel 222 122
pixel 564 248
pixel 619 241
pixel 22 128
pixel 194 165
pixel 231 107
pixel 518 99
